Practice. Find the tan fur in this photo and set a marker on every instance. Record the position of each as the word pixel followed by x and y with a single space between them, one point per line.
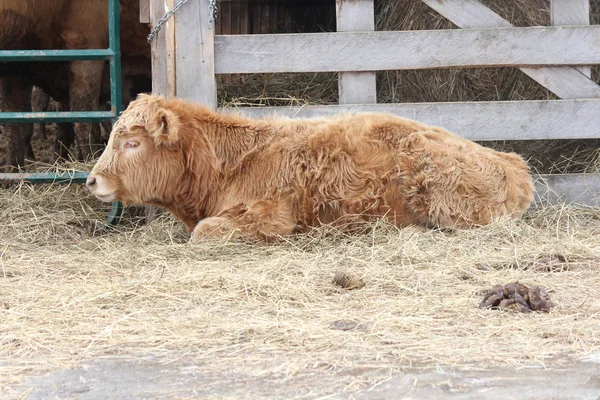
pixel 278 176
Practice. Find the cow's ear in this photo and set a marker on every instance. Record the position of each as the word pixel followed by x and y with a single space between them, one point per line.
pixel 164 127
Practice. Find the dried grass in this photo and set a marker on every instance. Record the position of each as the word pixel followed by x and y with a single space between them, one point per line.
pixel 69 292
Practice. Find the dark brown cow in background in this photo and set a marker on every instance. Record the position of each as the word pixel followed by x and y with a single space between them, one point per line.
pixel 65 24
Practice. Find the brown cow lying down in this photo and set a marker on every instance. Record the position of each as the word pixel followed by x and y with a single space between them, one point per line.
pixel 263 178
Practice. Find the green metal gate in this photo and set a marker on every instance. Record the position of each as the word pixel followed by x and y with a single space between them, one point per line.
pixel 113 55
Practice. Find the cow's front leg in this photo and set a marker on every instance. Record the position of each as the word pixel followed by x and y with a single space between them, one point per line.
pixel 15 95
pixel 84 95
pixel 214 228
pixel 264 220
pixel 39 103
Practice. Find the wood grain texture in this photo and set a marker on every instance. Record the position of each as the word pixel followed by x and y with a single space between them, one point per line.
pixel 169 27
pixel 566 82
pixel 571 12
pixel 356 87
pixel 372 51
pixel 195 54
pixel 244 18
pixel 482 121
pixel 567 189
pixel 145 11
pixel 158 50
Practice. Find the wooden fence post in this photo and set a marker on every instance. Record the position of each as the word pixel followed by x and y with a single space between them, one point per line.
pixel 195 53
pixel 145 11
pixel 163 49
pixel 571 12
pixel 356 87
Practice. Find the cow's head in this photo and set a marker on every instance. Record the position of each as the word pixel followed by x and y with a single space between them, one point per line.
pixel 143 160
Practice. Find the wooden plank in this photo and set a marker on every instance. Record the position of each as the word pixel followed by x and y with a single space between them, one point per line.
pixel 145 11
pixel 356 87
pixel 265 15
pixel 235 17
pixel 567 189
pixel 280 16
pixel 468 14
pixel 372 51
pixel 224 18
pixel 255 17
pixel 158 50
pixel 564 82
pixel 195 54
pixel 571 12
pixel 169 27
pixel 244 18
pixel 289 19
pixel 273 16
pixel 481 121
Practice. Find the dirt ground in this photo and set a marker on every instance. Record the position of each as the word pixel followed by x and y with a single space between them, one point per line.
pixel 150 378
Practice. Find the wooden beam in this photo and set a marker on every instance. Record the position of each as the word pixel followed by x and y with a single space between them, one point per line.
pixel 571 12
pixel 356 87
pixel 372 51
pixel 566 83
pixel 195 54
pixel 481 121
pixel 158 50
pixel 169 26
pixel 567 189
pixel 145 11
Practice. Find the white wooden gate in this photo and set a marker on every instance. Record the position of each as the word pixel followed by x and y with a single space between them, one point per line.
pixel 187 55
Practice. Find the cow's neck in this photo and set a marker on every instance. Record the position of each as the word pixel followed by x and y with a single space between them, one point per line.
pixel 194 196
pixel 223 141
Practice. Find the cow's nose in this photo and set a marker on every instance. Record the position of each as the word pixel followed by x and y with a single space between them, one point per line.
pixel 90 181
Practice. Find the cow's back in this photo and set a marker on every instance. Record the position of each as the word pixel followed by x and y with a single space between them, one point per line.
pixel 31 24
pixel 380 164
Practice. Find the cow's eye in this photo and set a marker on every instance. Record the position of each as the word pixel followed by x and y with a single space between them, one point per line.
pixel 131 144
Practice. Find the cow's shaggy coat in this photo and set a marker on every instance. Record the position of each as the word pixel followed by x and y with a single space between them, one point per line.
pixel 277 176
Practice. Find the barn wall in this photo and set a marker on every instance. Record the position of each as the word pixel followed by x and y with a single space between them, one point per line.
pixel 274 16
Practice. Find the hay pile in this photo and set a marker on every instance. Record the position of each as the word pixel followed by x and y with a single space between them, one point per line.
pixel 72 290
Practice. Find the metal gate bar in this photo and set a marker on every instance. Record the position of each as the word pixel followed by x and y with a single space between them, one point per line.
pixel 113 55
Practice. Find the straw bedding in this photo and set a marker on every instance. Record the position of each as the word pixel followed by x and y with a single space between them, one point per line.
pixel 72 289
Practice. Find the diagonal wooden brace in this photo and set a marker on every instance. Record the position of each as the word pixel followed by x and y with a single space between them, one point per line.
pixel 565 82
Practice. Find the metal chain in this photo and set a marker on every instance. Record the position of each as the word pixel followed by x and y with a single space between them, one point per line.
pixel 164 19
pixel 212 9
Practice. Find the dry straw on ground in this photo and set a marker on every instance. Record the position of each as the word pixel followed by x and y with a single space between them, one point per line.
pixel 69 292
